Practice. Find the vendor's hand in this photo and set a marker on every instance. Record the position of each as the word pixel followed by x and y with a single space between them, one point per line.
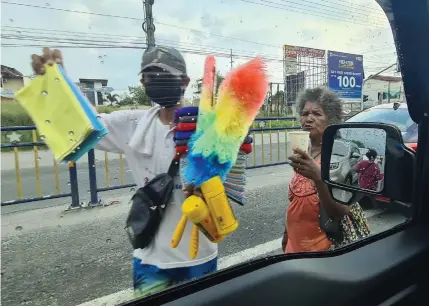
pixel 49 57
pixel 305 165
pixel 191 190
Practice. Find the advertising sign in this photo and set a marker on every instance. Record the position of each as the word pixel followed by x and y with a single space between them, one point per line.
pixel 294 51
pixel 6 93
pixel 291 65
pixel 345 74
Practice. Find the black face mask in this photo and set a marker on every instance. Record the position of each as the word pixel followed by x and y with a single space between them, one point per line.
pixel 165 90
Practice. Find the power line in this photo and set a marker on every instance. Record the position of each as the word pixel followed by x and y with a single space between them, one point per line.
pixel 139 19
pixel 134 18
pixel 79 37
pixel 327 16
pixel 331 9
pixel 339 6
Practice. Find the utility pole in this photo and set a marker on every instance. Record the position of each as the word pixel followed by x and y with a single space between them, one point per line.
pixel 388 92
pixel 148 26
pixel 231 61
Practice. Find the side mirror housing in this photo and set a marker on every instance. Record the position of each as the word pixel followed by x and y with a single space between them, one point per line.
pixel 388 171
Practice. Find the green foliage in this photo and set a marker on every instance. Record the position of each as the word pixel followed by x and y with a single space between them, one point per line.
pixel 137 96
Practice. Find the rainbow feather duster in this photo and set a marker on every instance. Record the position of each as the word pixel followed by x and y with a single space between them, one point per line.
pixel 222 126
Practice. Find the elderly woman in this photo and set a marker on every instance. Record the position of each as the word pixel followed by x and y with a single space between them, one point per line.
pixel 308 194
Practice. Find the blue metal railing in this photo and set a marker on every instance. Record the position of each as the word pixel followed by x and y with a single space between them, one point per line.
pixel 93 188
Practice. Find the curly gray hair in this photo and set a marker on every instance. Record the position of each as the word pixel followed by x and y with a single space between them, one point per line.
pixel 328 101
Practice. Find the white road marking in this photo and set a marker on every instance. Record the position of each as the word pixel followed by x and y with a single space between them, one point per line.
pixel 224 262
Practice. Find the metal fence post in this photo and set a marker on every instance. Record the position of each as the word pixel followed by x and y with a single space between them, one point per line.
pixel 74 185
pixel 92 177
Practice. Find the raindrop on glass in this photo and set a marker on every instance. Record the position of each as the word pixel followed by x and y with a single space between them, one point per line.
pixel 44 93
pixel 18 228
pixel 47 121
pixel 71 133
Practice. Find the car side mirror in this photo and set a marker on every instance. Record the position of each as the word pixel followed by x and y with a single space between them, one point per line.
pixel 388 171
pixel 356 155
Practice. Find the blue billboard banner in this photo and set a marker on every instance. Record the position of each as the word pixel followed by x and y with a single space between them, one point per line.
pixel 345 74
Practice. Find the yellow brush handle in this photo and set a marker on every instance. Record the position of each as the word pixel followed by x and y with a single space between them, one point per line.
pixel 193 243
pixel 178 232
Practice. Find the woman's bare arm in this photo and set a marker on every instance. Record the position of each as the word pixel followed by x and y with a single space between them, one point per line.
pixel 333 208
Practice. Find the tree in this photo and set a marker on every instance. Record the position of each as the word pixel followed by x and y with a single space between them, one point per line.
pixel 199 83
pixel 219 80
pixel 137 95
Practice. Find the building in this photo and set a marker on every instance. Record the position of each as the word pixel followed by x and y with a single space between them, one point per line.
pixel 11 81
pixel 95 90
pixel 382 89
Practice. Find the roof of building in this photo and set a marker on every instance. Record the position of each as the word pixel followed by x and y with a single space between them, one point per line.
pixel 9 72
pixel 103 81
pixel 385 78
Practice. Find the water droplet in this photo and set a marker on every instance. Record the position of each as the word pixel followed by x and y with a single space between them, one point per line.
pixel 71 133
pixel 68 183
pixel 132 189
pixel 44 93
pixel 19 228
pixel 108 240
pixel 39 158
pixel 47 121
pixel 57 79
pixel 98 117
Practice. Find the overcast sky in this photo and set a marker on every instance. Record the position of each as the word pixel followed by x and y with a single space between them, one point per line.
pixel 248 27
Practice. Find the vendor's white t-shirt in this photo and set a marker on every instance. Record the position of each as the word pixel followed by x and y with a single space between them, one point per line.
pixel 146 159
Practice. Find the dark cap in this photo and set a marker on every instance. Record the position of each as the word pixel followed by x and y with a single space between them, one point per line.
pixel 164 57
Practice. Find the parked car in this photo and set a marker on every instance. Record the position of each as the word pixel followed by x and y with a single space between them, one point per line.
pixel 392 113
pixel 398 115
pixel 345 155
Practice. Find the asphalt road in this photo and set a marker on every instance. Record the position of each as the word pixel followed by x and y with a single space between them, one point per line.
pixel 55 258
pixel 271 154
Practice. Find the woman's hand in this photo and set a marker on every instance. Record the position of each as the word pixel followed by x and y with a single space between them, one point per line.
pixel 49 57
pixel 305 165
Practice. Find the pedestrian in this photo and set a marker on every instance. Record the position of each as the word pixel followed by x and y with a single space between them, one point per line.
pixel 145 137
pixel 309 196
pixel 369 171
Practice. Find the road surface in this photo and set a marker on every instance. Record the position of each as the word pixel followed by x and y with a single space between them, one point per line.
pixel 54 258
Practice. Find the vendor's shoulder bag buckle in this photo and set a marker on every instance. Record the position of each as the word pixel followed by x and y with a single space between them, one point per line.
pixel 148 206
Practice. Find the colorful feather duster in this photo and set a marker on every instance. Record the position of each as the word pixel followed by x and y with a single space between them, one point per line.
pixel 222 127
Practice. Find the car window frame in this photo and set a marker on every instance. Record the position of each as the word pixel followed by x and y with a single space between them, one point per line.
pixel 406 243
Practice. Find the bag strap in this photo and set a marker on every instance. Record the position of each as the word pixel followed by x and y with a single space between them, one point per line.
pixel 367 168
pixel 174 167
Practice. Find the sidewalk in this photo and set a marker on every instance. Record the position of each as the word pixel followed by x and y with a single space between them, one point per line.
pixel 45 157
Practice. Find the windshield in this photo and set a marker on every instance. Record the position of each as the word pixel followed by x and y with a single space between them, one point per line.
pixel 400 117
pixel 340 148
pixel 73 180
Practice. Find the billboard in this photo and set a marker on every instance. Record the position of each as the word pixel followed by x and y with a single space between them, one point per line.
pixel 293 85
pixel 294 51
pixel 345 74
